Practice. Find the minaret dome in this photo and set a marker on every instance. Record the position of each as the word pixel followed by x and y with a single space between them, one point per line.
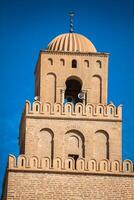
pixel 71 42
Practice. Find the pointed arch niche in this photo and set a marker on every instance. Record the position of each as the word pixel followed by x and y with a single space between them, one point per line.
pixel 50 88
pixel 96 84
pixel 74 144
pixel 46 143
pixel 101 145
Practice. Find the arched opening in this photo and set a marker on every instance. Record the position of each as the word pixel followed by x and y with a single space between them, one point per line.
pixel 74 63
pixel 45 146
pixel 50 60
pixel 51 81
pixel 86 63
pixel 98 62
pixel 73 88
pixel 96 89
pixel 101 145
pixel 62 61
pixel 74 145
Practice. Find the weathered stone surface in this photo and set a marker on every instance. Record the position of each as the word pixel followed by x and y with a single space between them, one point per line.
pixel 73 150
pixel 62 186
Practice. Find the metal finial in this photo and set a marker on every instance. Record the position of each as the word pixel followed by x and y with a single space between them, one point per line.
pixel 71 14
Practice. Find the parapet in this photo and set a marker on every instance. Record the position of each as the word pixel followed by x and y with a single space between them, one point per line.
pixel 34 163
pixel 88 111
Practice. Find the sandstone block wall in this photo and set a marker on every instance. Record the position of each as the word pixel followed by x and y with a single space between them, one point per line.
pixel 94 131
pixel 68 186
pixel 50 67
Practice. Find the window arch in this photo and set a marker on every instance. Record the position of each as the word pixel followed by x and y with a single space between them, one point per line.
pixel 51 80
pixel 73 88
pixel 62 61
pixel 101 143
pixel 97 89
pixel 74 63
pixel 99 64
pixel 46 143
pixel 74 144
pixel 50 61
pixel 86 63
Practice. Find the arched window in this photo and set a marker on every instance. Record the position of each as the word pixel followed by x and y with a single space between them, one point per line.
pixel 62 61
pixel 74 144
pixel 101 145
pixel 86 62
pixel 51 81
pixel 96 93
pixel 98 62
pixel 74 63
pixel 73 88
pixel 50 60
pixel 45 145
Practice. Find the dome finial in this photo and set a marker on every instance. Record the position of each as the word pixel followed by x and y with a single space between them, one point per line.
pixel 71 14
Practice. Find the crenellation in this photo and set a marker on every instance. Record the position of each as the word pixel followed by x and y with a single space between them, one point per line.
pixel 81 164
pixel 104 166
pixel 92 165
pixel 45 163
pixel 90 111
pixel 58 164
pixel 116 166
pixel 128 166
pixel 11 161
pixel 69 164
pixel 22 162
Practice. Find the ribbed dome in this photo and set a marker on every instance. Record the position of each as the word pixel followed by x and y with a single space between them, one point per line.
pixel 71 42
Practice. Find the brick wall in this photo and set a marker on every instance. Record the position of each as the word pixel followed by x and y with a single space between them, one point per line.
pixel 68 186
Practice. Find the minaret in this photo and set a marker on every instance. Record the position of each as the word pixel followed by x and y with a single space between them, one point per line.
pixel 70 136
pixel 72 117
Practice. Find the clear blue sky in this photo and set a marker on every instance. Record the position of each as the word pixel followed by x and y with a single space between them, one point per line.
pixel 26 26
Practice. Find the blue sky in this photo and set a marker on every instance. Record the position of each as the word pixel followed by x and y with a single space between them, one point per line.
pixel 26 26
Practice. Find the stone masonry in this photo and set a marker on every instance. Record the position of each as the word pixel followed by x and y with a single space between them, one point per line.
pixel 70 137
